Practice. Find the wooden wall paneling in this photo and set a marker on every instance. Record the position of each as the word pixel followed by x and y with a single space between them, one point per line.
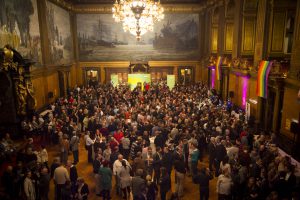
pixel 238 90
pixel 198 73
pixel 53 86
pixel 252 95
pixel 228 37
pixel 39 91
pixel 237 29
pixel 117 70
pixel 160 72
pixel 214 39
pixel 295 58
pixel 221 31
pixel 290 110
pixel 232 84
pixel 248 38
pixel 250 5
pixel 73 75
pixel 214 30
pixel 278 32
pixel 261 36
pixel 205 74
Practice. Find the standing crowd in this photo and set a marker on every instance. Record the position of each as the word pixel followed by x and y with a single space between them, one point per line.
pixel 139 139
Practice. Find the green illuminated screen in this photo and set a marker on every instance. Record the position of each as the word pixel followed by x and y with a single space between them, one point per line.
pixel 134 79
pixel 114 79
pixel 171 81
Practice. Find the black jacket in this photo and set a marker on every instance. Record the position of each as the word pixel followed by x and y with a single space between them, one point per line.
pixel 211 151
pixel 167 160
pixel 203 180
pixel 156 162
pixel 220 152
pixel 165 184
pixel 73 173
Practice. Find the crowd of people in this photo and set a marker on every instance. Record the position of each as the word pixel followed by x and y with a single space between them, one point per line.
pixel 139 139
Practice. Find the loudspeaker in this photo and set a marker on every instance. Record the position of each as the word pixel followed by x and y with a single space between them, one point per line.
pixel 231 94
pixel 50 95
pixel 294 127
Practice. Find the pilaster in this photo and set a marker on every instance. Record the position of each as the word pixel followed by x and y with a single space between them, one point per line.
pixel 261 35
pixel 221 32
pixel 42 11
pixel 294 72
pixel 237 29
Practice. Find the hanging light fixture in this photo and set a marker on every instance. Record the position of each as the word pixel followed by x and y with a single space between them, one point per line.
pixel 137 16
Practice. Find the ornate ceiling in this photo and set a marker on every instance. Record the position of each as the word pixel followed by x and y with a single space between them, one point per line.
pixel 112 1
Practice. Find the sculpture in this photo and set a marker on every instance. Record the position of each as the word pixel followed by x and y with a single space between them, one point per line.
pixel 17 68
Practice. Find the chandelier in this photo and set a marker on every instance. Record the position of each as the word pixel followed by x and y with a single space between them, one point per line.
pixel 137 16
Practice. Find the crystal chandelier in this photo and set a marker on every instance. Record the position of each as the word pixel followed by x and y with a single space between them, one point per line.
pixel 137 16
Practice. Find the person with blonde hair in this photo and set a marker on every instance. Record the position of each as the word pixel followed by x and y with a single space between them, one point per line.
pixel 224 185
pixel 125 178
pixel 29 187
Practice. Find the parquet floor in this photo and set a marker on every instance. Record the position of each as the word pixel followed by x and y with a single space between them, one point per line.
pixel 84 169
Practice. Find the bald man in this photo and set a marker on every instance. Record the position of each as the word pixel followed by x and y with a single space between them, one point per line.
pixel 116 169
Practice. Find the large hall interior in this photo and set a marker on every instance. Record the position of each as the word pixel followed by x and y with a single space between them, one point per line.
pixel 149 99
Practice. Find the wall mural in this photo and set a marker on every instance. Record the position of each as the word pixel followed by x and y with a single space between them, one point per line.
pixel 59 33
pixel 19 27
pixel 100 38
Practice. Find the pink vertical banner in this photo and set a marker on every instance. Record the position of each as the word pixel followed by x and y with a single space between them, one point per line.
pixel 213 78
pixel 244 91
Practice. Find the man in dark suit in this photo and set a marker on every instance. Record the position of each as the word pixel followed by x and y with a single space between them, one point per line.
pixel 211 152
pixel 73 175
pixel 157 164
pixel 203 179
pixel 220 155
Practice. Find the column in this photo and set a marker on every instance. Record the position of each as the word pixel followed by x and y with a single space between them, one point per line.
pixel 261 44
pixel 261 36
pixel 278 104
pixel 207 35
pixel 175 72
pixel 202 35
pixel 220 50
pixel 225 82
pixel 41 5
pixel 294 72
pixel 197 73
pixel 73 24
pixel 221 27
pixel 237 30
pixel 102 73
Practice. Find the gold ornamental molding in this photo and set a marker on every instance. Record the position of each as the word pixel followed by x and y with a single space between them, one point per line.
pixel 63 4
pixel 111 64
pixel 118 64
pixel 173 63
pixel 168 8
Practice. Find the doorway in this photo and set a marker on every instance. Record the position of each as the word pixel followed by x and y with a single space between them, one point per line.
pixel 268 110
pixel 61 83
pixel 91 76
pixel 186 75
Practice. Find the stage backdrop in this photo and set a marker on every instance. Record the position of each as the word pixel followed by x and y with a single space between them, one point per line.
pixel 100 38
pixel 59 34
pixel 19 27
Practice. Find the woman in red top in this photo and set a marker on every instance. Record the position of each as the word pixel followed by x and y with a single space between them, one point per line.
pixel 113 143
pixel 118 135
